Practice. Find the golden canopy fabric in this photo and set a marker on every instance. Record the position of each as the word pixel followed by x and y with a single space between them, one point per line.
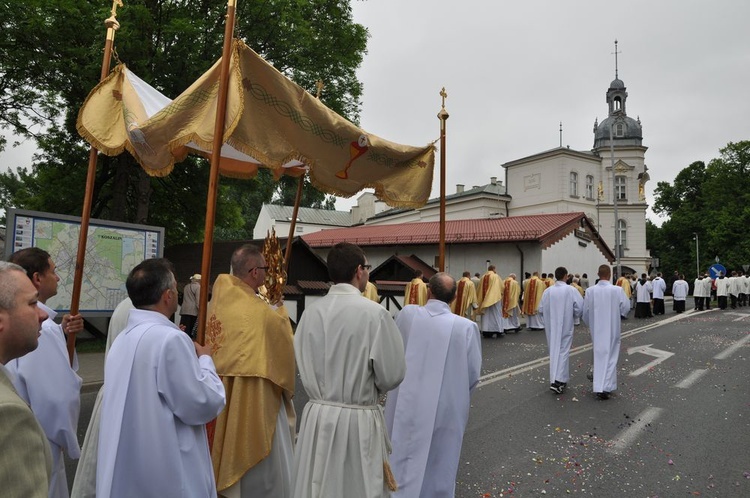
pixel 270 122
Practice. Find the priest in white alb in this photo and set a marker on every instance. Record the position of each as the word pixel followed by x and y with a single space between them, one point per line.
pixel 603 307
pixel 443 362
pixel 160 389
pixel 349 352
pixel 561 305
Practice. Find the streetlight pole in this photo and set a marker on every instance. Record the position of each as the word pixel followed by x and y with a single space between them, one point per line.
pixel 697 257
pixel 614 198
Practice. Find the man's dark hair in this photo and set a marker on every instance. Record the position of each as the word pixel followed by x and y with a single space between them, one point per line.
pixel 343 260
pixel 560 272
pixel 243 257
pixel 443 287
pixel 526 275
pixel 544 275
pixel 466 274
pixel 32 260
pixel 147 282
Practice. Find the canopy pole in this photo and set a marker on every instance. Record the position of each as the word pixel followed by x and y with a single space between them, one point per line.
pixel 112 26
pixel 213 180
pixel 293 224
pixel 443 117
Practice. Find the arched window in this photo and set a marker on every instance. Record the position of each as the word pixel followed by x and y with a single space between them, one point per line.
pixel 589 187
pixel 620 190
pixel 573 184
pixel 622 231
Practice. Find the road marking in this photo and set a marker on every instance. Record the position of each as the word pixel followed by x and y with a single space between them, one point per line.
pixel 691 379
pixel 648 350
pixel 732 349
pixel 742 317
pixel 626 437
pixel 524 367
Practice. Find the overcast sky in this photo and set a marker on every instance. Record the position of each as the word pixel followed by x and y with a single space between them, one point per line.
pixel 514 70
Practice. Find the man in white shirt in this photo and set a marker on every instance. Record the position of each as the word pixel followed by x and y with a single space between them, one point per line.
pixel 349 352
pixel 722 290
pixel 603 306
pixel 443 362
pixel 679 292
pixel 659 287
pixel 698 297
pixel 561 305
pixel 44 377
pixel 160 389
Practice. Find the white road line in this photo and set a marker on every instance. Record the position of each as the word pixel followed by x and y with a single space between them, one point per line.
pixel 525 367
pixel 691 379
pixel 625 438
pixel 740 318
pixel 732 349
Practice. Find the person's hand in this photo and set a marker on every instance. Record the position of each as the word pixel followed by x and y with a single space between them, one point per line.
pixel 201 350
pixel 72 324
pixel 279 303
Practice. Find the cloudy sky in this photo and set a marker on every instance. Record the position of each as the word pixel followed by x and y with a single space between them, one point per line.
pixel 514 70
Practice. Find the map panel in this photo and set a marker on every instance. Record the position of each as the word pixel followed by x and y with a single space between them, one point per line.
pixel 111 252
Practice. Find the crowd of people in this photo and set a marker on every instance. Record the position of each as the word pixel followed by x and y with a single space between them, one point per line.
pixel 176 418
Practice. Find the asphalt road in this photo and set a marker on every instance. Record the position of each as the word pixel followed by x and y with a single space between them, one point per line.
pixel 679 427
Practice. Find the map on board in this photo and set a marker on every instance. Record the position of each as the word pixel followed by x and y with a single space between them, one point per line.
pixel 112 250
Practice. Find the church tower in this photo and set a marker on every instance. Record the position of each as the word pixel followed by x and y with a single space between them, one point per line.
pixel 621 207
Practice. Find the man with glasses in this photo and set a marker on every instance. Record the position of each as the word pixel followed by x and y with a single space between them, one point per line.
pixel 253 449
pixel 349 352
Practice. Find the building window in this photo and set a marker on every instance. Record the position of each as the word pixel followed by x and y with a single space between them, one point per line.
pixel 573 184
pixel 589 187
pixel 620 188
pixel 619 130
pixel 622 231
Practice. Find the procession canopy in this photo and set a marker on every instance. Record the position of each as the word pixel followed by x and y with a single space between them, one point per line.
pixel 271 122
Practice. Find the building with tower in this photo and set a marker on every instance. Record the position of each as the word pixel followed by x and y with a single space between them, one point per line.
pixel 607 182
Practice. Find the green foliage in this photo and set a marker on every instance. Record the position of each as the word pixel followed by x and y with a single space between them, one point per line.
pixel 712 202
pixel 50 59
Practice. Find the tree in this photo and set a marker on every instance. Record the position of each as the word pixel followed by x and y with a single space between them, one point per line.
pixel 711 201
pixel 50 57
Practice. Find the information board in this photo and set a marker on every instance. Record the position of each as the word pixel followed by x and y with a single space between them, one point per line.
pixel 112 250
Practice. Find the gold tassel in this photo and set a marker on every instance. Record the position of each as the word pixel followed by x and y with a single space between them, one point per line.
pixel 390 481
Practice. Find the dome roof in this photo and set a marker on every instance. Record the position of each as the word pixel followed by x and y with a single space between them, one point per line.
pixel 632 129
pixel 617 84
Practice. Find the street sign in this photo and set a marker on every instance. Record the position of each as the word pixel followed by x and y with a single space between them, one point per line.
pixel 715 269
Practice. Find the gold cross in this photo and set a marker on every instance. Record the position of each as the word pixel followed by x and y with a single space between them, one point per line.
pixel 443 94
pixel 319 88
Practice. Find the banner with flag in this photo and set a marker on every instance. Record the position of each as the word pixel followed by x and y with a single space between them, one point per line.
pixel 270 122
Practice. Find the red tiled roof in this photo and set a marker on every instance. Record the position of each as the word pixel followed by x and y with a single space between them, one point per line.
pixel 515 228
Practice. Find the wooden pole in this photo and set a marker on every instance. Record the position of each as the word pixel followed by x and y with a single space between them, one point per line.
pixel 443 117
pixel 297 201
pixel 213 179
pixel 112 26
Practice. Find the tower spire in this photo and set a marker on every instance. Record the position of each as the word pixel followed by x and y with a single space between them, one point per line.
pixel 616 52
